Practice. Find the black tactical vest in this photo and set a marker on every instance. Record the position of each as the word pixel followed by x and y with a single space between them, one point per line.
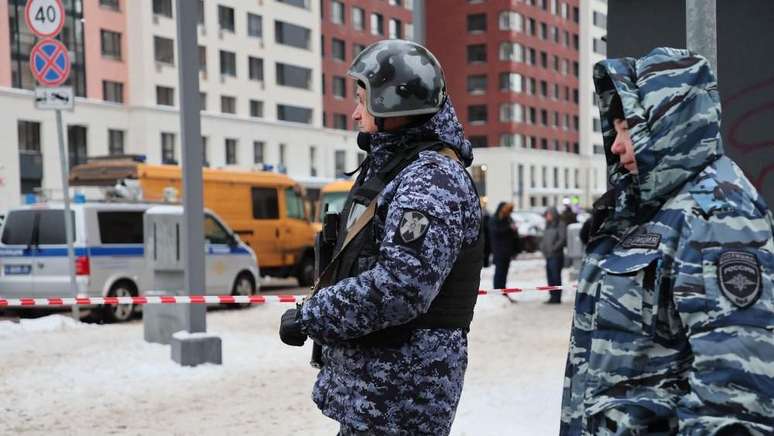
pixel 453 306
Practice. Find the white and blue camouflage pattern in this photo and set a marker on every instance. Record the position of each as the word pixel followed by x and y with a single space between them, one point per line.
pixel 412 389
pixel 674 316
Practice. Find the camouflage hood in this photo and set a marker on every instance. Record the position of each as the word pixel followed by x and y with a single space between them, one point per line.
pixel 443 126
pixel 672 106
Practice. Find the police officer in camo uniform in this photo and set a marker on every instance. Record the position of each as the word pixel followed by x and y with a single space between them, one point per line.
pixel 674 316
pixel 394 320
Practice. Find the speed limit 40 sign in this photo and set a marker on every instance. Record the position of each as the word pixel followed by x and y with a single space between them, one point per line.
pixel 45 18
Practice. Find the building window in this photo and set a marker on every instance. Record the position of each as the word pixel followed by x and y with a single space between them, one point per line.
pixel 202 101
pixel 511 113
pixel 510 21
pixel 163 50
pixel 203 59
pixel 255 68
pixel 476 53
pixel 377 24
pixel 358 19
pixel 165 96
pixel 227 104
pixel 296 114
pixel 205 154
pixel 556 177
pixel 395 2
pixel 115 142
pixel 162 7
pixel 254 26
pixel 478 141
pixel 600 20
pixel 337 12
pixel 297 3
pixel 477 84
pixel 112 91
pixel 544 59
pixel 228 63
pixel 339 87
pixel 356 49
pixel 293 76
pixel 512 140
pixel 511 51
pixel 201 13
pixel 395 29
pixel 477 114
pixel 29 136
pixel 340 163
pixel 111 44
pixel 510 82
pixel 282 162
pixel 168 148
pixel 226 18
pixel 600 46
pixel 313 161
pixel 477 23
pixel 597 125
pixel 292 35
pixel 340 121
pixel 231 151
pixel 338 49
pixel 575 14
pixel 258 148
pixel 599 149
pixel 110 4
pixel 256 108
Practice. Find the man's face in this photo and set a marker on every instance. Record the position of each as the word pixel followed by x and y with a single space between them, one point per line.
pixel 365 121
pixel 623 146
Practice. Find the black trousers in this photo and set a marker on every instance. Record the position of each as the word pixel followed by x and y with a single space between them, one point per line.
pixel 554 267
pixel 501 271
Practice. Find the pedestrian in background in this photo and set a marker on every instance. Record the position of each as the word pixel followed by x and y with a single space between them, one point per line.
pixel 504 239
pixel 485 219
pixel 568 215
pixel 552 247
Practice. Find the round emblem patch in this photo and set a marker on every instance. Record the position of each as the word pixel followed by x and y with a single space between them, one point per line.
pixel 413 226
pixel 739 276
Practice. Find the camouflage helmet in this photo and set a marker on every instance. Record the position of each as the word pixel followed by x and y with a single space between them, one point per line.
pixel 401 78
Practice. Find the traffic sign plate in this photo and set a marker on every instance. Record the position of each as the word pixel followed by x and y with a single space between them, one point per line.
pixel 50 62
pixel 54 98
pixel 44 18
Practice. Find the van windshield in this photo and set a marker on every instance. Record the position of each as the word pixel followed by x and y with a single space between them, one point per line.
pixel 334 200
pixel 20 227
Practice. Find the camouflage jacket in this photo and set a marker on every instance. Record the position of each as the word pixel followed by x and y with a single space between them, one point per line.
pixel 413 389
pixel 673 329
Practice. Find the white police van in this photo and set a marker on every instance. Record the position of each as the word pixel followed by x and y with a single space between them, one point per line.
pixel 109 254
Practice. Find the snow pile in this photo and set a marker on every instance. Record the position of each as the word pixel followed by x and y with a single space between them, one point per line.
pixel 104 379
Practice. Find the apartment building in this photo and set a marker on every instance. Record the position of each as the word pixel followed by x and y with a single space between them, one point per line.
pixel 260 81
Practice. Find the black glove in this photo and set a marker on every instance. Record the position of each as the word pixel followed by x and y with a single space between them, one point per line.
pixel 290 328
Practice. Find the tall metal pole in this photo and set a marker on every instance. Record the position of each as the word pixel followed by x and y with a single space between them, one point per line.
pixel 64 160
pixel 701 29
pixel 190 128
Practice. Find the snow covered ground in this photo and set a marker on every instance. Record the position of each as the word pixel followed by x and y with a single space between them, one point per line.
pixel 62 377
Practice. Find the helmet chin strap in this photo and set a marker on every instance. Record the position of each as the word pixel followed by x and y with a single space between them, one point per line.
pixel 379 124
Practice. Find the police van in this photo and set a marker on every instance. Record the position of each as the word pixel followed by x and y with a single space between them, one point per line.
pixel 109 254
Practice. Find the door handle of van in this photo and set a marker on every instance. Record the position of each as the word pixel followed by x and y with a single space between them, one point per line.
pixel 41 265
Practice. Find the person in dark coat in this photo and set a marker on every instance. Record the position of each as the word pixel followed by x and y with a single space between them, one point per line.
pixel 552 247
pixel 485 218
pixel 504 238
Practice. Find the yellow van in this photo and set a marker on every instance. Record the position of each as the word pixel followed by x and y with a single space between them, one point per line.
pixel 333 195
pixel 265 209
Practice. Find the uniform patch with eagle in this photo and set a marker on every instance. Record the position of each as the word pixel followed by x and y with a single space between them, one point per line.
pixel 739 277
pixel 412 228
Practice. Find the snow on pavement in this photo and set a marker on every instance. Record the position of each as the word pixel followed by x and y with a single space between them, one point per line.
pixel 62 377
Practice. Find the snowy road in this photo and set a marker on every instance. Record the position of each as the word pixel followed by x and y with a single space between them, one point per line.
pixel 59 377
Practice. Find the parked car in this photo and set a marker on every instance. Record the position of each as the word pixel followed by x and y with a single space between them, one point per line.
pixel 531 226
pixel 109 254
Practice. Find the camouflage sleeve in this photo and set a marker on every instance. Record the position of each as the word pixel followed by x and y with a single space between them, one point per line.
pixel 723 296
pixel 422 238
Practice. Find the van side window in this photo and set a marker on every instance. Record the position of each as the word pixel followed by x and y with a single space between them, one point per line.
pixel 294 204
pixel 265 204
pixel 51 227
pixel 18 227
pixel 120 227
pixel 214 232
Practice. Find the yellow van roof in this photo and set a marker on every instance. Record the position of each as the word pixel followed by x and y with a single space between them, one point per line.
pixel 338 186
pixel 217 175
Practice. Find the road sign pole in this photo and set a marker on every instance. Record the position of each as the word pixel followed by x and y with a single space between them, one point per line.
pixel 68 219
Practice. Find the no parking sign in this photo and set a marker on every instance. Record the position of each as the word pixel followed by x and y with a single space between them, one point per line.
pixel 50 62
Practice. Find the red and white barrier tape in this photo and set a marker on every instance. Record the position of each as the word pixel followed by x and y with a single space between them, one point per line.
pixel 203 299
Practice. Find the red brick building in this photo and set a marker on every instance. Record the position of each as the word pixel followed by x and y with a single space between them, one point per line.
pixel 348 26
pixel 511 68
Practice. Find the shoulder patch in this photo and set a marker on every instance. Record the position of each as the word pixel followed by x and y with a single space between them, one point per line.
pixel 413 225
pixel 642 240
pixel 739 277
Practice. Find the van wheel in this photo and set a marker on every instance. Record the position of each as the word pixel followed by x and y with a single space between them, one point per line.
pixel 243 285
pixel 305 272
pixel 119 312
